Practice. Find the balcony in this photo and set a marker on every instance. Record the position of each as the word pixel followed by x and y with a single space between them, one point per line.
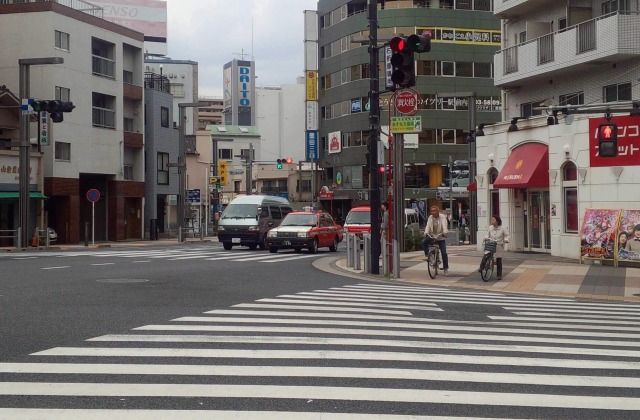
pixel 133 140
pixel 512 8
pixel 607 38
pixel 132 91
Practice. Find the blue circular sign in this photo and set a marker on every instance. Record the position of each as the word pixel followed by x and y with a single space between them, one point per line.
pixel 93 195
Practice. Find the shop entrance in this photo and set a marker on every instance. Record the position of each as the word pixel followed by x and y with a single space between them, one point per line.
pixel 539 221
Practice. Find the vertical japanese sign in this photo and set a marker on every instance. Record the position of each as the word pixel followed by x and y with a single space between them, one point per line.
pixel 44 128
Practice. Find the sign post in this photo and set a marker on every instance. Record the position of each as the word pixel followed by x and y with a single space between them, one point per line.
pixel 93 195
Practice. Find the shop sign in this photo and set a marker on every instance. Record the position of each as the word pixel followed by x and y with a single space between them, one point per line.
pixel 628 142
pixel 335 142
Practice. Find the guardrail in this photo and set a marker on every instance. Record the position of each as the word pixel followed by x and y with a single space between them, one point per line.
pixel 183 231
pixel 12 234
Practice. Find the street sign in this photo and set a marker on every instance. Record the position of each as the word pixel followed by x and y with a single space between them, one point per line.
pixel 236 172
pixel 193 196
pixel 213 180
pixel 401 125
pixel 93 195
pixel 312 145
pixel 406 102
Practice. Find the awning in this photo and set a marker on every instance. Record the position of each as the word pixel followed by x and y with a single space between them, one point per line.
pixel 526 167
pixel 16 195
pixel 472 187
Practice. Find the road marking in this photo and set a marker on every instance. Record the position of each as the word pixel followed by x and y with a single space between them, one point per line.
pixel 610 318
pixel 308 314
pixel 424 307
pixel 25 258
pixel 56 268
pixel 299 257
pixel 193 256
pixel 321 308
pixel 320 372
pixel 364 342
pixel 101 414
pixel 320 393
pixel 140 262
pixel 103 264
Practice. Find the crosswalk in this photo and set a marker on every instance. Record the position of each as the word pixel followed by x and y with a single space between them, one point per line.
pixel 204 254
pixel 360 351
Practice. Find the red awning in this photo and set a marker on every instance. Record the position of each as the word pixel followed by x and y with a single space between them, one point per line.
pixel 526 167
pixel 472 187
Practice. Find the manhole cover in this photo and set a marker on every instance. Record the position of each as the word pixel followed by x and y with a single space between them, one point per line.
pixel 122 280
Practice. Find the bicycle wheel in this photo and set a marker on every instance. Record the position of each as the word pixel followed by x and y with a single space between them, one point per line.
pixel 432 264
pixel 487 272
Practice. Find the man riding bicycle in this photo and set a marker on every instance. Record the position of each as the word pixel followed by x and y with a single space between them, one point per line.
pixel 437 230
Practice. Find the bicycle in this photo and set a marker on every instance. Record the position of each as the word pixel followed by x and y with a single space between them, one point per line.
pixel 433 258
pixel 488 262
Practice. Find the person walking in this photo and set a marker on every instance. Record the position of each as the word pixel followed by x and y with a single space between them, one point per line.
pixel 498 233
pixel 437 230
pixel 384 225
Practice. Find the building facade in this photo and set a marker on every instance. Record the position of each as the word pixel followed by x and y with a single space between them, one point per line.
pixel 210 113
pixel 161 148
pixel 541 172
pixel 102 76
pixel 454 74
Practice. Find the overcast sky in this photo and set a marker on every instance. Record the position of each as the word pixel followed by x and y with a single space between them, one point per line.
pixel 213 32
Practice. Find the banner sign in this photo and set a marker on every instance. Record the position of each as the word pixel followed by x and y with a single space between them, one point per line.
pixel 598 234
pixel 312 85
pixel 628 244
pixel 312 146
pixel 335 142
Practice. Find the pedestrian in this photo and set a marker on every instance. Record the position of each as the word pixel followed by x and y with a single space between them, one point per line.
pixel 437 230
pixel 498 233
pixel 384 226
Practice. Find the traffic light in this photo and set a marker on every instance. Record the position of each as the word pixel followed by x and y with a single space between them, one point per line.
pixel 402 65
pixel 419 43
pixel 280 162
pixel 608 140
pixel 54 107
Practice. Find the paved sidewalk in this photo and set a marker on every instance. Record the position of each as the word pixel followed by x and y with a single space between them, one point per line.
pixel 524 273
pixel 119 244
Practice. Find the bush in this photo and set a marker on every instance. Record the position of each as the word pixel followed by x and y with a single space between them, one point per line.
pixel 412 241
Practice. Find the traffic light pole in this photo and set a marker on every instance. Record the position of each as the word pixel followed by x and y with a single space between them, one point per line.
pixel 25 145
pixel 374 136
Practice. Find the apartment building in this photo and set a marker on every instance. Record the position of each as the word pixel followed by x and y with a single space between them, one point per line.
pixel 210 113
pixel 541 171
pixel 456 72
pixel 100 144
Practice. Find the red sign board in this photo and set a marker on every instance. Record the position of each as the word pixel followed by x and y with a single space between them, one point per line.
pixel 406 102
pixel 628 142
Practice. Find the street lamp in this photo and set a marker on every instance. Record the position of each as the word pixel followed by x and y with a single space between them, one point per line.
pixel 25 145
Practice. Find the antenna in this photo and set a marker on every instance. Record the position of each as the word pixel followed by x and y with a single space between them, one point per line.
pixel 252 57
pixel 241 54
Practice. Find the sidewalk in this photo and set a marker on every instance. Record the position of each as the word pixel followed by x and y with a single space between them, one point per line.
pixel 533 273
pixel 119 244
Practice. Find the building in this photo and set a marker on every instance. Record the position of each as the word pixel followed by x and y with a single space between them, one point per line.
pixel 280 120
pixel 456 72
pixel 161 148
pixel 239 90
pixel 183 84
pixel 210 113
pixel 539 171
pixel 100 144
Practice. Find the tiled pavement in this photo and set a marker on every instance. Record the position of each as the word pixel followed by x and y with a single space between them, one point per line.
pixel 527 273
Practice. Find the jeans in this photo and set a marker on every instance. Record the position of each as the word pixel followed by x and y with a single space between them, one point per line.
pixel 498 264
pixel 443 249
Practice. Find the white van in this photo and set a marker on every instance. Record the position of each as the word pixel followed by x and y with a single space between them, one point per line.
pixel 247 219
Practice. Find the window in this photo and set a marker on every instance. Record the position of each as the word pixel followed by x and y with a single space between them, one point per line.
pixel 306 186
pixel 62 40
pixel 562 24
pixel 482 70
pixel 494 194
pixel 276 214
pixel 128 172
pixel 177 90
pixel 63 94
pixel 103 54
pixel 236 186
pixel 526 110
pixel 163 168
pixel 618 92
pixel 612 6
pixel 104 114
pixel 63 151
pixel 448 68
pixel 576 98
pixel 245 154
pixel 570 192
pixel 225 154
pixel 464 69
pixel 164 116
pixel 522 37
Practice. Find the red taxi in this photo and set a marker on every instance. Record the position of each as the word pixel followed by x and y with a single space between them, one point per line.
pixel 358 220
pixel 304 229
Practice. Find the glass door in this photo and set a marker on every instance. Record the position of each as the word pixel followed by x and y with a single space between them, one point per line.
pixel 539 221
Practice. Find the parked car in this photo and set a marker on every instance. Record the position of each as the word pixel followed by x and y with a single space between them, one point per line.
pixel 53 236
pixel 304 229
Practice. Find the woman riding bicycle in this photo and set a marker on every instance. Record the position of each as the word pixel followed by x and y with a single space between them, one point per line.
pixel 500 235
pixel 437 230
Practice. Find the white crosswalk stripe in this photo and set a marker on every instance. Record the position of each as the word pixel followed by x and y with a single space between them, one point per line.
pixel 191 254
pixel 356 352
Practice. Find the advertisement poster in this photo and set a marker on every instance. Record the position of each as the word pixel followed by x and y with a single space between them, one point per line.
pixel 335 142
pixel 598 234
pixel 628 244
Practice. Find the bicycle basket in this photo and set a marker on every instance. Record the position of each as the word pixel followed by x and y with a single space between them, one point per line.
pixel 490 246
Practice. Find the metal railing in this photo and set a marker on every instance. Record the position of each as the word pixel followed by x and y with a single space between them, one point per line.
pixel 157 82
pixel 546 50
pixel 12 234
pixel 510 59
pixel 102 66
pixel 586 36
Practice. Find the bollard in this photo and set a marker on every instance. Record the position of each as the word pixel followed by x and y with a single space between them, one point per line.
pixel 153 233
pixel 180 234
pixel 367 253
pixel 349 250
pixel 396 259
pixel 47 241
pixel 19 238
pixel 357 264
pixel 86 233
pixel 385 258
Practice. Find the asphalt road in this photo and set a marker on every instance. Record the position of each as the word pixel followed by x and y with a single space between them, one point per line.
pixel 195 332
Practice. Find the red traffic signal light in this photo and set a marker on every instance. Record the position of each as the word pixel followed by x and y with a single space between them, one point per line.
pixel 402 64
pixel 397 44
pixel 608 140
pixel 382 169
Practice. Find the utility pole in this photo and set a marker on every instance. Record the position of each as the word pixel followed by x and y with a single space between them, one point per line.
pixel 249 179
pixel 374 136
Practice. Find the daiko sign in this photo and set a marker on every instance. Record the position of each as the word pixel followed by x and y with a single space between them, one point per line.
pixel 628 142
